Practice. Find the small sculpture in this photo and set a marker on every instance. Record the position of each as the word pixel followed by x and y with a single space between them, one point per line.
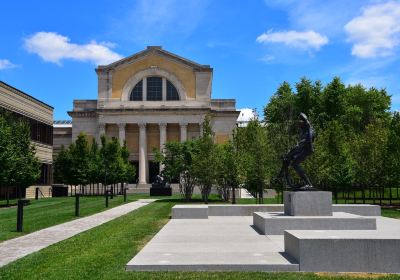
pixel 298 154
pixel 158 182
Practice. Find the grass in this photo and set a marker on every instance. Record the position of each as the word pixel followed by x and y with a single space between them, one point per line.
pixel 102 253
pixel 52 211
pixel 391 213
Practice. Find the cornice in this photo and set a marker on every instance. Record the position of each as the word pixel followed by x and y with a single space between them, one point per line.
pixel 25 95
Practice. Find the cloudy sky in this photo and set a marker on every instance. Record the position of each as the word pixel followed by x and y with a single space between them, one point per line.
pixel 49 49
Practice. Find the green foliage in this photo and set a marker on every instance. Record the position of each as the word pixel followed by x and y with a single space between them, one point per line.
pixel 83 164
pixel 357 138
pixel 79 151
pixel 19 165
pixel 205 160
pixel 255 154
pixel 62 166
pixel 177 162
pixel 227 170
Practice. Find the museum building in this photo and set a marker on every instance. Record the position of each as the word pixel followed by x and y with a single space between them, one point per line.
pixel 39 116
pixel 147 99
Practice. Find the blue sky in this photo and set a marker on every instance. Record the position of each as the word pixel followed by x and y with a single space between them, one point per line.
pixel 49 49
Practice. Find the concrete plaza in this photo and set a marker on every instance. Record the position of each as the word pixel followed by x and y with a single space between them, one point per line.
pixel 222 243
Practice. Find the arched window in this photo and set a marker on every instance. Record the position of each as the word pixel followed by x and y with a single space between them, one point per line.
pixel 137 92
pixel 154 88
pixel 172 93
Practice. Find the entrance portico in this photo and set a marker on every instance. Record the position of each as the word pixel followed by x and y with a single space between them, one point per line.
pixel 140 151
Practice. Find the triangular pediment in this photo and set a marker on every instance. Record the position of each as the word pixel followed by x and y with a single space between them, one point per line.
pixel 155 50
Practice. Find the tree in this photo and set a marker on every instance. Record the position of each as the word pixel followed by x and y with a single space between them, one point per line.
pixel 392 155
pixel 62 166
pixel 79 172
pixel 129 171
pixel 177 161
pixel 204 160
pixel 256 157
pixel 6 155
pixel 94 165
pixel 227 170
pixel 26 167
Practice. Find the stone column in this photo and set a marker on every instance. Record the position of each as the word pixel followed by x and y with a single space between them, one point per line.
pixel 163 135
pixel 121 134
pixel 102 131
pixel 164 89
pixel 183 131
pixel 163 139
pixel 142 153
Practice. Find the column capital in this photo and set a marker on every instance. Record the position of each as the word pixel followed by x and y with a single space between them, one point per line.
pixel 162 125
pixel 183 124
pixel 102 126
pixel 142 125
pixel 121 125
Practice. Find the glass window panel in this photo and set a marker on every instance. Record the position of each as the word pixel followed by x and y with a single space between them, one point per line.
pixel 137 92
pixel 154 88
pixel 172 93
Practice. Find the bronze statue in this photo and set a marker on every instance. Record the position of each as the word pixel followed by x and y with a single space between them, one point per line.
pixel 297 155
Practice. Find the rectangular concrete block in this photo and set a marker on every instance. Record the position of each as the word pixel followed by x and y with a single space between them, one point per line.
pixel 242 210
pixel 307 203
pixel 344 251
pixel 358 209
pixel 277 223
pixel 190 212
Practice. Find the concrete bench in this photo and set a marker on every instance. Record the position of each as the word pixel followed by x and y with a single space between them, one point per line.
pixel 276 223
pixel 189 211
pixel 242 210
pixel 344 251
pixel 358 209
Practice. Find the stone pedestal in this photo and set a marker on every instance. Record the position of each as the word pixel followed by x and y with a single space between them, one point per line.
pixel 307 203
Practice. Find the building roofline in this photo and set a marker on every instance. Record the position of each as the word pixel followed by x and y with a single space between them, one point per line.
pixel 20 92
pixel 156 49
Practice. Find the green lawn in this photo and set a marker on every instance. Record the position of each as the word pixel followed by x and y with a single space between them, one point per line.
pixel 391 213
pixel 102 252
pixel 52 211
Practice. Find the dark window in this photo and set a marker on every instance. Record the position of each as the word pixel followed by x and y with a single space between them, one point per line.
pixel 46 174
pixel 172 93
pixel 137 92
pixel 154 88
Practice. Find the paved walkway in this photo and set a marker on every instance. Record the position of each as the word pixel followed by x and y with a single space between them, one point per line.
pixel 17 248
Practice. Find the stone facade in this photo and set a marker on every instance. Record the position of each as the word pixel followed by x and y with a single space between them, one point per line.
pixel 39 116
pixel 172 97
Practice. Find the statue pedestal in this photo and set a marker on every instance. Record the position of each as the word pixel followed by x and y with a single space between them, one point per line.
pixel 307 203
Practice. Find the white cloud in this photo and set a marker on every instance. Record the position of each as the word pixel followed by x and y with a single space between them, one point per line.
pixel 267 58
pixel 53 47
pixel 376 32
pixel 302 40
pixel 6 64
pixel 327 17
